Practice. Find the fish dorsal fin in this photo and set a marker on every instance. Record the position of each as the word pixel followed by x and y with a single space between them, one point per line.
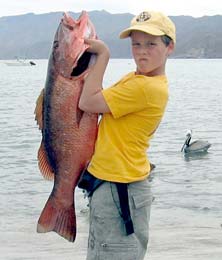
pixel 44 165
pixel 39 110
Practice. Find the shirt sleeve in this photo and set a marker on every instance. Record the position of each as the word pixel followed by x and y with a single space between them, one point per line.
pixel 125 97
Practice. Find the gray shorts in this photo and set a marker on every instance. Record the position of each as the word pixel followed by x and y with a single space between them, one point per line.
pixel 107 235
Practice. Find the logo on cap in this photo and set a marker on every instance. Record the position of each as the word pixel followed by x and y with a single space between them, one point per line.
pixel 144 16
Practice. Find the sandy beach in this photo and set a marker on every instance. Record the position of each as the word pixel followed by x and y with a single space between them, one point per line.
pixel 193 240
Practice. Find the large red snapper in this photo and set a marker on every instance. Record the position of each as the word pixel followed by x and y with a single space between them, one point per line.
pixel 68 134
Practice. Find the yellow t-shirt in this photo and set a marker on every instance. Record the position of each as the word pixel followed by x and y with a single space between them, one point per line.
pixel 137 104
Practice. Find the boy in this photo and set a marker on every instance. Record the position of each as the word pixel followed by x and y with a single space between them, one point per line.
pixel 132 110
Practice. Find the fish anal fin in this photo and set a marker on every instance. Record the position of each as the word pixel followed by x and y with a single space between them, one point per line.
pixel 44 165
pixel 39 110
pixel 60 220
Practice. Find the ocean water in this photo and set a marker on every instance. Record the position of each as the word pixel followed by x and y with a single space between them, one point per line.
pixel 186 219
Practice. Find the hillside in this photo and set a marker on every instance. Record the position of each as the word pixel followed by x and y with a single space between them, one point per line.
pixel 31 35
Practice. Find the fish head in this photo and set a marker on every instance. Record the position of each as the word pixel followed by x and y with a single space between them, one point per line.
pixel 69 47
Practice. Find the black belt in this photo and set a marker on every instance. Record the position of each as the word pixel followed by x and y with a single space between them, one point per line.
pixel 122 189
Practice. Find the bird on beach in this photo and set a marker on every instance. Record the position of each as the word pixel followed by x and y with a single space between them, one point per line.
pixel 194 147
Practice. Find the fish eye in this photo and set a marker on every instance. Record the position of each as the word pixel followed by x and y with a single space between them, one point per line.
pixel 55 44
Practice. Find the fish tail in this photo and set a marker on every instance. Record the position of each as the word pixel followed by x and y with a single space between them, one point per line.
pixel 62 220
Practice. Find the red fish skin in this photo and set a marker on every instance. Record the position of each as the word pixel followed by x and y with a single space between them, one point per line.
pixel 69 137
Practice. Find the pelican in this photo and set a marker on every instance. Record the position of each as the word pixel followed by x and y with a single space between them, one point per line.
pixel 196 146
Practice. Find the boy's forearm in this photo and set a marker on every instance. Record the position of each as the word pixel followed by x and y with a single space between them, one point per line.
pixel 93 81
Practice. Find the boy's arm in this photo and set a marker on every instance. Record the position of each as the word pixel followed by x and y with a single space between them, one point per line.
pixel 91 99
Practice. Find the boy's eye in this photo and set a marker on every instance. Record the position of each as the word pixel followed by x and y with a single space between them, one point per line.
pixel 146 45
pixel 135 44
pixel 151 44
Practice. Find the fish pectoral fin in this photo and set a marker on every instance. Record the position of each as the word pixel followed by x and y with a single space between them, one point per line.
pixel 44 165
pixel 39 110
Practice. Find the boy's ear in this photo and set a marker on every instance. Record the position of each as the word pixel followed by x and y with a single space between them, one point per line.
pixel 171 48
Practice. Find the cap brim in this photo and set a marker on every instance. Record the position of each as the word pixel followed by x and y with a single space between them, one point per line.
pixel 150 30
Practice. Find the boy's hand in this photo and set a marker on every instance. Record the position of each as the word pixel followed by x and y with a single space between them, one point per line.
pixel 97 47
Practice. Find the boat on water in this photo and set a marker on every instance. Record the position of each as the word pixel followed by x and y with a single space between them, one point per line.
pixel 19 62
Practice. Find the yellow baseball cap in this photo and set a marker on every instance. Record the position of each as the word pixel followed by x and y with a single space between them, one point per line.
pixel 154 23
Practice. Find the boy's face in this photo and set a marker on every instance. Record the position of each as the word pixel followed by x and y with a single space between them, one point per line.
pixel 150 53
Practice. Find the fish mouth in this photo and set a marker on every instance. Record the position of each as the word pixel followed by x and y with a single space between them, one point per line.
pixel 69 55
pixel 82 64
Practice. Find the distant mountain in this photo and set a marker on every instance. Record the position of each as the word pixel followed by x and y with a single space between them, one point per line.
pixel 31 35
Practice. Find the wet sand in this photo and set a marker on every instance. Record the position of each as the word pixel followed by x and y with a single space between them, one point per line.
pixel 190 242
pixel 179 237
pixel 185 243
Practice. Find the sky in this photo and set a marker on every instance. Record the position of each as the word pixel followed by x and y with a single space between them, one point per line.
pixel 195 8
